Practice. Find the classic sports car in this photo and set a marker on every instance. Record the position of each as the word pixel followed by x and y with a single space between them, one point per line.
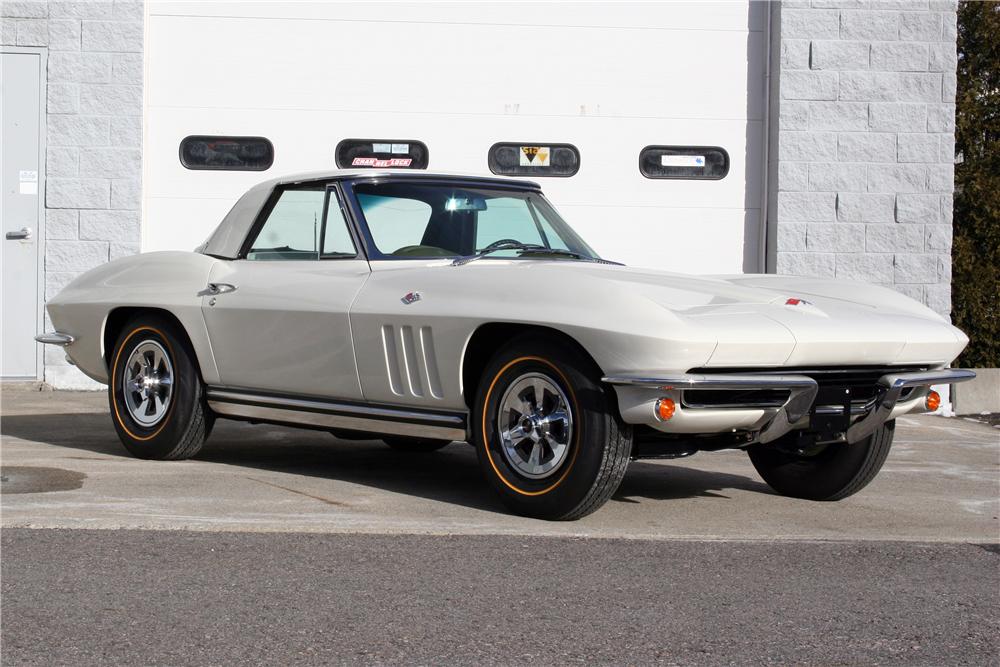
pixel 422 309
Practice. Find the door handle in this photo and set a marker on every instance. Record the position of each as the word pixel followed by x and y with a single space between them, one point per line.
pixel 221 288
pixel 22 234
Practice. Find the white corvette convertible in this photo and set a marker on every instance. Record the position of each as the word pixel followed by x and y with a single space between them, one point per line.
pixel 422 309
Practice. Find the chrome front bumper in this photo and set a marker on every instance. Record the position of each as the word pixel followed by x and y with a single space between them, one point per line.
pixel 802 392
pixel 892 386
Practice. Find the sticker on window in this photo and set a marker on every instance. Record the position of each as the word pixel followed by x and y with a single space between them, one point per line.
pixel 381 154
pixel 684 162
pixel 535 156
pixel 375 162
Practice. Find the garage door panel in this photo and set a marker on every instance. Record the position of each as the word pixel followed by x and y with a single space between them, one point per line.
pixel 668 238
pixel 182 223
pixel 692 15
pixel 620 72
pixel 609 79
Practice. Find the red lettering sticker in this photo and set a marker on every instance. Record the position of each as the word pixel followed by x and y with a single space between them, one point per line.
pixel 376 162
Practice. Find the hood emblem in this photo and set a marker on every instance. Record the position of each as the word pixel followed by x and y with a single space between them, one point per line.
pixel 798 302
pixel 410 297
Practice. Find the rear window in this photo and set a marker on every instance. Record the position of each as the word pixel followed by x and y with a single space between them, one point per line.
pixel 226 153
pixel 382 154
pixel 533 159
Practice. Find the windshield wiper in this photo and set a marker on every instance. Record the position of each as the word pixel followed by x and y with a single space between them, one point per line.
pixel 524 248
pixel 553 251
pixel 491 249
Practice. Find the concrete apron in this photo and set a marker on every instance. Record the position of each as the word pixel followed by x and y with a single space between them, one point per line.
pixel 67 469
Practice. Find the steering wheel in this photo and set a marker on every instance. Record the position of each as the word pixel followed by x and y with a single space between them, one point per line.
pixel 500 242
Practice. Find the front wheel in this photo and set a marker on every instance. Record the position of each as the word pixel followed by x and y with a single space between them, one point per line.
pixel 155 392
pixel 824 472
pixel 547 431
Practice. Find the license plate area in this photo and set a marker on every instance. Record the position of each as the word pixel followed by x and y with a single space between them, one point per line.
pixel 830 415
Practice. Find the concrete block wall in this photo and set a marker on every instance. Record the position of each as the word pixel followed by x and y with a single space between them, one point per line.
pixel 93 159
pixel 864 157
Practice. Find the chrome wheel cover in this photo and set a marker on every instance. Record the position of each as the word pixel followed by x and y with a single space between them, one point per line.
pixel 148 383
pixel 535 425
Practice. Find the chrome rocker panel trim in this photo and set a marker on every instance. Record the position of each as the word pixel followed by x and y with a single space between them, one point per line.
pixel 55 338
pixel 892 386
pixel 322 413
pixel 802 392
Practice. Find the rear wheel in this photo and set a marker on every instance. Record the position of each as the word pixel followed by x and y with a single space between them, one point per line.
pixel 825 472
pixel 415 445
pixel 547 431
pixel 155 392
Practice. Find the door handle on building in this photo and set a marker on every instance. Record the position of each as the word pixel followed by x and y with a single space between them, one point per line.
pixel 22 234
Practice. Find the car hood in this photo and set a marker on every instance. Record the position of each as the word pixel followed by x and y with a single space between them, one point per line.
pixel 768 320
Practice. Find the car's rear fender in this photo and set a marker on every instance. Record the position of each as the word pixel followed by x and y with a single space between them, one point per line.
pixel 166 282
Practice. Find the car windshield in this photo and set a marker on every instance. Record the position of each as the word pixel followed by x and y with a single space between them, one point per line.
pixel 441 220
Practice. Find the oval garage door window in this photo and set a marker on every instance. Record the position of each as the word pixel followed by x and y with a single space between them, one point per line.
pixel 690 162
pixel 534 159
pixel 226 153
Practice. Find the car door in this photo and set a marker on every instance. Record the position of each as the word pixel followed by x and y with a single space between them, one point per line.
pixel 279 316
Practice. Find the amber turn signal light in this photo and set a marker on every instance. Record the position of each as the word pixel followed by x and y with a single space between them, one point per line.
pixel 933 401
pixel 665 409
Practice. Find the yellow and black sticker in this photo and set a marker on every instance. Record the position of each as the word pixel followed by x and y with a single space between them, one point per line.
pixel 535 156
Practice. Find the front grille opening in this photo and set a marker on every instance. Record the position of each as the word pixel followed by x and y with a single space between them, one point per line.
pixel 858 385
pixel 724 398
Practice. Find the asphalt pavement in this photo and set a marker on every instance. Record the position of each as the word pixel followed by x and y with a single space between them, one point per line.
pixel 82 597
pixel 279 546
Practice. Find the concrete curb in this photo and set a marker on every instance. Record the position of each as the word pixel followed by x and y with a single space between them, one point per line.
pixel 979 395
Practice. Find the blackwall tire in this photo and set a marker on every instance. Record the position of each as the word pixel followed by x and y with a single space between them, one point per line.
pixel 414 445
pixel 151 351
pixel 838 471
pixel 568 472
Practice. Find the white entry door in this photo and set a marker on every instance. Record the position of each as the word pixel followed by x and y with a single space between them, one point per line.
pixel 22 186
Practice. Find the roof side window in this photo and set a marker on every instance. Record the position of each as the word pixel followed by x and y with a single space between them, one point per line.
pixel 303 224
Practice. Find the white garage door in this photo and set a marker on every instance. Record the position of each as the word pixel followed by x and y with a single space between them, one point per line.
pixel 607 79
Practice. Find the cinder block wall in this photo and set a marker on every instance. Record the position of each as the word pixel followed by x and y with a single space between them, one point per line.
pixel 865 143
pixel 94 137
